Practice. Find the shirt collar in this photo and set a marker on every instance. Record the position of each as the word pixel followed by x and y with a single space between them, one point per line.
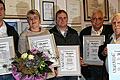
pixel 93 32
pixel 64 33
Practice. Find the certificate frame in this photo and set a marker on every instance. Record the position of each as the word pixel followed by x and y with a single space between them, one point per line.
pixel 69 55
pixel 73 9
pixel 17 11
pixel 113 61
pixel 48 10
pixel 45 43
pixel 90 49
pixel 6 44
pixel 91 5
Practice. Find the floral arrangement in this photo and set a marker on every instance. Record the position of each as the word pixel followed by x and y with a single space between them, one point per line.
pixel 32 65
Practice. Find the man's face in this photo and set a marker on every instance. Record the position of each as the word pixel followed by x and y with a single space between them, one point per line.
pixel 97 20
pixel 116 25
pixel 62 20
pixel 2 12
pixel 34 21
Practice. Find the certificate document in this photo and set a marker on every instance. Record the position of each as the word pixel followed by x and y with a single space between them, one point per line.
pixel 69 61
pixel 6 53
pixel 45 43
pixel 18 8
pixel 90 49
pixel 114 61
pixel 73 8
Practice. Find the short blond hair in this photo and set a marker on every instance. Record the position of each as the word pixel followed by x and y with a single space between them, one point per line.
pixel 33 11
pixel 117 14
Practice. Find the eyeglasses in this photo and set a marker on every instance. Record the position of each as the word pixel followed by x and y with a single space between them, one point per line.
pixel 33 18
pixel 97 18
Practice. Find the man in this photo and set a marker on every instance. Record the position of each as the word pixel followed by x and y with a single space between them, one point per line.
pixel 5 31
pixel 64 35
pixel 91 72
pixel 113 39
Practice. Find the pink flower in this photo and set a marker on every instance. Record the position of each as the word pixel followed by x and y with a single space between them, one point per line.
pixel 34 51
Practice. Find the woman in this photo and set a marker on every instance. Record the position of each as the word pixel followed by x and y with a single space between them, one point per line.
pixel 34 20
pixel 113 39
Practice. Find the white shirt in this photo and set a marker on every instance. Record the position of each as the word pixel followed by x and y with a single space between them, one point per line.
pixel 3 30
pixel 93 32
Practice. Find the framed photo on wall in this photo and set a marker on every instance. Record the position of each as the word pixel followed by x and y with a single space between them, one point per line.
pixel 91 5
pixel 73 9
pixel 48 10
pixel 13 24
pixel 17 8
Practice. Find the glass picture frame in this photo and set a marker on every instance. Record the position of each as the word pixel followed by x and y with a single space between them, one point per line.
pixel 69 57
pixel 45 43
pixel 91 5
pixel 17 9
pixel 113 61
pixel 7 52
pixel 90 49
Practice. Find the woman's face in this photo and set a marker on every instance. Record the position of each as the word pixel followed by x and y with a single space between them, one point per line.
pixel 34 21
pixel 116 25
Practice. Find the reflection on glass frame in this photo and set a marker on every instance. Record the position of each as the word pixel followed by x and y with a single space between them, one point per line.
pixel 90 5
pixel 7 52
pixel 90 49
pixel 47 43
pixel 73 9
pixel 13 24
pixel 18 8
pixel 24 26
pixel 48 10
pixel 69 60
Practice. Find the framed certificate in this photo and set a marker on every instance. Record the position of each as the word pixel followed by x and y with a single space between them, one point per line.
pixel 90 49
pixel 45 43
pixel 6 53
pixel 91 5
pixel 69 57
pixel 113 61
pixel 73 8
pixel 48 10
pixel 17 8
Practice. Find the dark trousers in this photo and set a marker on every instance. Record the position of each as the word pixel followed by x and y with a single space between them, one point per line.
pixel 65 78
pixel 6 77
pixel 92 72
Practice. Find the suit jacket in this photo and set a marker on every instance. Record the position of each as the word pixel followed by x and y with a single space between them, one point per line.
pixel 12 32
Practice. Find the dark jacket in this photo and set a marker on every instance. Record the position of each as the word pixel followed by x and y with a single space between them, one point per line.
pixel 12 32
pixel 71 38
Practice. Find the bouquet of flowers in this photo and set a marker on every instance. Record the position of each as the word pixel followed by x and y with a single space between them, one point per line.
pixel 32 65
